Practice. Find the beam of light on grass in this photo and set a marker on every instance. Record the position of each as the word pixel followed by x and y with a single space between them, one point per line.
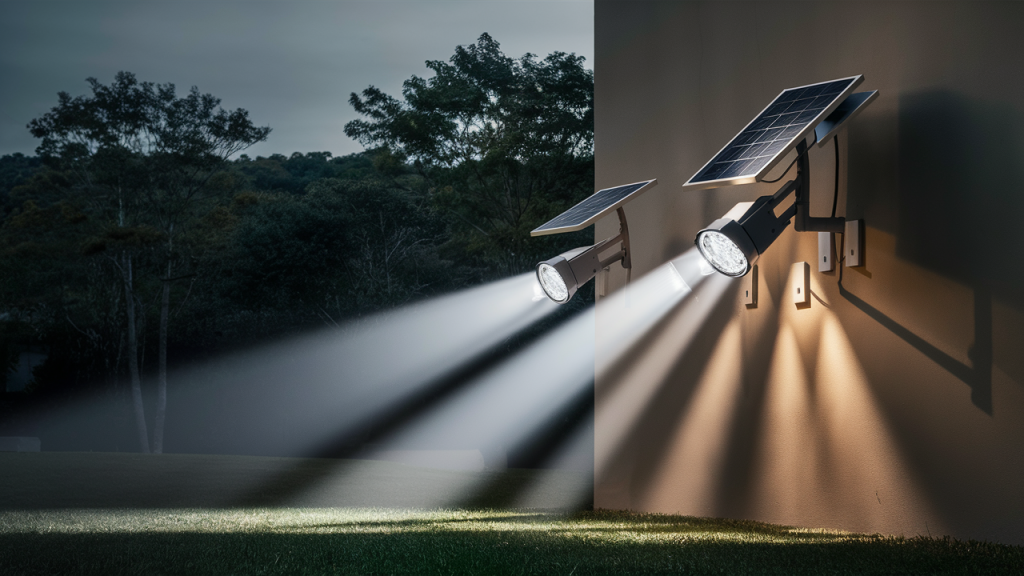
pixel 395 541
pixel 605 526
pixel 291 397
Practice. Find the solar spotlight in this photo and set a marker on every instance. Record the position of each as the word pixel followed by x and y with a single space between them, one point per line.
pixel 561 276
pixel 796 118
pixel 734 242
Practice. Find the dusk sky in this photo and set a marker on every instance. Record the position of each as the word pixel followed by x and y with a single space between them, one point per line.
pixel 292 65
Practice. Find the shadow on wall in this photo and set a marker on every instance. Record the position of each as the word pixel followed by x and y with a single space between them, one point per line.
pixel 960 191
pixel 959 204
pixel 625 477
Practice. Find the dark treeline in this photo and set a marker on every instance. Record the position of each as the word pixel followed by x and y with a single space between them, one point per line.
pixel 140 236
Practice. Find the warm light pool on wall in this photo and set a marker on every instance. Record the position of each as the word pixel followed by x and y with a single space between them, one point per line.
pixel 561 276
pixel 796 118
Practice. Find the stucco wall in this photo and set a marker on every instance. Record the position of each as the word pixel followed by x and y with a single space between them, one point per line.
pixel 894 403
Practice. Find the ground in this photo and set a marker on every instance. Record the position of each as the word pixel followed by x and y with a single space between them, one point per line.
pixel 179 514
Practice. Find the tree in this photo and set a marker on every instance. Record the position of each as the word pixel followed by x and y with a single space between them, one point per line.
pixel 14 170
pixel 141 158
pixel 294 173
pixel 342 249
pixel 505 143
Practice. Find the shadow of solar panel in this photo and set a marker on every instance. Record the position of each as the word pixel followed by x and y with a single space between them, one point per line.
pixel 773 133
pixel 593 207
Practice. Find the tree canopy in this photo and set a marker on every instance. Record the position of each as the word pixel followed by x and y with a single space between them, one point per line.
pixel 141 235
pixel 505 143
pixel 140 157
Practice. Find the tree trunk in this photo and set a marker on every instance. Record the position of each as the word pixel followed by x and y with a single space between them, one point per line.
pixel 161 390
pixel 133 356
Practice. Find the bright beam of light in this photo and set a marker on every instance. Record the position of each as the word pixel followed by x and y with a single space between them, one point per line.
pixel 688 477
pixel 826 454
pixel 514 399
pixel 297 396
pixel 629 314
pixel 865 452
pixel 493 412
pixel 624 393
pixel 292 397
pixel 679 292
pixel 320 387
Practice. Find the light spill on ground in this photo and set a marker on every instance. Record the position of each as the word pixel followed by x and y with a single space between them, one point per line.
pixel 638 529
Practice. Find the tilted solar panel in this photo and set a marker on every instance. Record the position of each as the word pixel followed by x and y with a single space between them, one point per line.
pixel 593 207
pixel 850 107
pixel 773 133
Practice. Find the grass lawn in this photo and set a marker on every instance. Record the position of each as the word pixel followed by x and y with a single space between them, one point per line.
pixel 57 526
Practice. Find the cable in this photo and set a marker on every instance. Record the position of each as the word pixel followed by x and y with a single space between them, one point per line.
pixel 835 192
pixel 835 201
pixel 839 263
pixel 788 168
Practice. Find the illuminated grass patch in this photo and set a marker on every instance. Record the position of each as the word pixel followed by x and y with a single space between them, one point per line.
pixel 394 541
pixel 94 513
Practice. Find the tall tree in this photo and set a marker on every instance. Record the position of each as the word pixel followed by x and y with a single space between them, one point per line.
pixel 142 157
pixel 505 143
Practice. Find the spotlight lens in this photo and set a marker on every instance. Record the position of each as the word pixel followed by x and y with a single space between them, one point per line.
pixel 552 283
pixel 722 253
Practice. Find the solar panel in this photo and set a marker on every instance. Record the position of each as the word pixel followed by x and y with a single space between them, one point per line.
pixel 773 133
pixel 850 107
pixel 589 210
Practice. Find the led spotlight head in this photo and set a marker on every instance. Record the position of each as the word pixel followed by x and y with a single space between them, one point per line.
pixel 561 276
pixel 727 247
pixel 556 279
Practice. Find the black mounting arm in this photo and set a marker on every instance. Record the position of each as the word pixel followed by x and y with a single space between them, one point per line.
pixel 803 221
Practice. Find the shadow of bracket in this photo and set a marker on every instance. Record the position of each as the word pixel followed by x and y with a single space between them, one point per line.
pixel 979 376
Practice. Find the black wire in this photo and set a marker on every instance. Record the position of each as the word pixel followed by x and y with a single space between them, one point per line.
pixel 839 263
pixel 835 199
pixel 835 192
pixel 790 167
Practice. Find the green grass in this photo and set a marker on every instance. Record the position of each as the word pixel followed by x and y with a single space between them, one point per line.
pixel 39 538
pixel 391 541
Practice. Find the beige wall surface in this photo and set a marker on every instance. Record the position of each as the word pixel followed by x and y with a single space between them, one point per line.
pixel 894 402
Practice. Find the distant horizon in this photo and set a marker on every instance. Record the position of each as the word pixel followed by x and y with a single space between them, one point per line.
pixel 269 58
pixel 237 156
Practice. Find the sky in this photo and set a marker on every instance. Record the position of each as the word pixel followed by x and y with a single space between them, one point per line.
pixel 291 64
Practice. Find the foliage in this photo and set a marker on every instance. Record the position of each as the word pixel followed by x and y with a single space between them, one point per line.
pixel 132 118
pixel 15 169
pixel 139 212
pixel 138 153
pixel 140 159
pixel 279 173
pixel 504 144
pixel 276 262
pixel 48 291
